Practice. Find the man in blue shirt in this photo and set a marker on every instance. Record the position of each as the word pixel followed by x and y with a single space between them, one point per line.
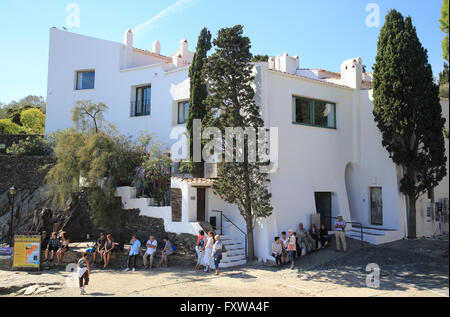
pixel 133 251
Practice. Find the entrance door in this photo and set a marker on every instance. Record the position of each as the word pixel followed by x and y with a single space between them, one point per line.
pixel 323 207
pixel 376 206
pixel 201 213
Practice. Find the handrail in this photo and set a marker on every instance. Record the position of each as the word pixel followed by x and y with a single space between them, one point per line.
pixel 353 223
pixel 229 220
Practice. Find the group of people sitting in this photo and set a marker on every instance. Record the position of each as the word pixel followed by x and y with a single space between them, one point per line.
pixel 287 248
pixel 54 244
pixel 209 250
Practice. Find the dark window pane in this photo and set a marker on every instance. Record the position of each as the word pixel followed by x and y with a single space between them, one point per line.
pixel 302 111
pixel 324 114
pixel 85 80
pixel 186 111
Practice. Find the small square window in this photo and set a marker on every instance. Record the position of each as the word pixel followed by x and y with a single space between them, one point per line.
pixel 85 80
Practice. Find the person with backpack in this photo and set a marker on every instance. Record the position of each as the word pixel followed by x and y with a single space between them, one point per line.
pixel 199 248
pixel 169 248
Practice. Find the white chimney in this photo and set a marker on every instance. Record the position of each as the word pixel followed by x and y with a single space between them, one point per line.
pixel 156 47
pixel 183 48
pixel 128 49
pixel 351 73
pixel 285 63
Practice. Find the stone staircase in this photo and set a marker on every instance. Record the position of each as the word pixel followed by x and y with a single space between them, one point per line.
pixel 374 235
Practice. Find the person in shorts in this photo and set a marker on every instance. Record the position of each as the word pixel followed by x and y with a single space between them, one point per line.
pixel 52 247
pixel 83 271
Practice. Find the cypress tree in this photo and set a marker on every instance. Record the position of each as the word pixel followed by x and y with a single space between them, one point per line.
pixel 232 104
pixel 199 92
pixel 407 110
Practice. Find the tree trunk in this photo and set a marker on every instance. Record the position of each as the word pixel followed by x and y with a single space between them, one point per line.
pixel 250 240
pixel 411 216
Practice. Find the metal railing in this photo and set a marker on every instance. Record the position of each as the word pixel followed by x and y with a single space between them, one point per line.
pixel 352 223
pixel 222 216
pixel 140 108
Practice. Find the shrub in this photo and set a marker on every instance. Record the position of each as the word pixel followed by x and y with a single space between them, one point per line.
pixel 9 127
pixel 36 146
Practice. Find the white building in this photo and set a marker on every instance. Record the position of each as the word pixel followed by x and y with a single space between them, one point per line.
pixel 331 160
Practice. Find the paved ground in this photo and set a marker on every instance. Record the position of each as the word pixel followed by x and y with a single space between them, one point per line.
pixel 407 268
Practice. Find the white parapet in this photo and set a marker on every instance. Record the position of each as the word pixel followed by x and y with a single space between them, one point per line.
pixel 129 201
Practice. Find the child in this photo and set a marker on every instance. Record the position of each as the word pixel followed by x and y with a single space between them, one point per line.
pixel 83 272
pixel 277 251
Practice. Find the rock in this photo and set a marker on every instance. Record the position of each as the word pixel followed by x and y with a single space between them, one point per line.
pixel 21 291
pixel 31 289
pixel 41 290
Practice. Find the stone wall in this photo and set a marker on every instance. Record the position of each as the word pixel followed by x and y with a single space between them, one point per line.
pixel 6 140
pixel 24 172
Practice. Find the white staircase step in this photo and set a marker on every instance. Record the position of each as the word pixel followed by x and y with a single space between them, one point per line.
pixel 228 258
pixel 225 264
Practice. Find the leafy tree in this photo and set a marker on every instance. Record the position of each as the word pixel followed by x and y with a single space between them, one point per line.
pixel 444 28
pixel 9 127
pixel 37 146
pixel 198 94
pixel 231 102
pixel 33 120
pixel 407 110
pixel 443 82
pixel 260 58
pixel 88 115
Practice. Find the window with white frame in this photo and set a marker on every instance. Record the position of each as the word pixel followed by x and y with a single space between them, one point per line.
pixel 85 80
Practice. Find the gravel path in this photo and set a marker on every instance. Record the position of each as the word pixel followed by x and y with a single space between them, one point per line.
pixel 407 268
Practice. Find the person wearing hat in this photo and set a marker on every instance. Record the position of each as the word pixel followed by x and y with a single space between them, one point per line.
pixel 292 247
pixel 339 227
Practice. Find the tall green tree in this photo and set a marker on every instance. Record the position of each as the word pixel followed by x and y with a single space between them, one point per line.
pixel 445 28
pixel 231 101
pixel 199 92
pixel 407 110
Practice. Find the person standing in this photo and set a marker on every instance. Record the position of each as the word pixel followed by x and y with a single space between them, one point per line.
pixel 107 250
pixel 277 251
pixel 284 242
pixel 208 250
pixel 152 244
pixel 339 227
pixel 133 251
pixel 216 254
pixel 292 247
pixel 84 272
pixel 199 248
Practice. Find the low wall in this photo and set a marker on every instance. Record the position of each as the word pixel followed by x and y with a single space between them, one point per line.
pixel 24 172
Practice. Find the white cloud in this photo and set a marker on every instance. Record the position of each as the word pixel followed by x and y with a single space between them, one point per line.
pixel 177 6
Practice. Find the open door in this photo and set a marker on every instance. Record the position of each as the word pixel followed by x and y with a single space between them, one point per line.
pixel 323 207
pixel 201 208
pixel 376 206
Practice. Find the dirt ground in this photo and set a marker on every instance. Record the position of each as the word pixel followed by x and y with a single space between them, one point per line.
pixel 407 269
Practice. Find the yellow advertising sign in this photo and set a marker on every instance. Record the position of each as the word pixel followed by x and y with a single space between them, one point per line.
pixel 27 251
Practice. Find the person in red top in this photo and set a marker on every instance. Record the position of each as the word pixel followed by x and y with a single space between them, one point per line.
pixel 200 248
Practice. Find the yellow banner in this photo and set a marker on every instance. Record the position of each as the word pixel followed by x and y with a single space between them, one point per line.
pixel 27 251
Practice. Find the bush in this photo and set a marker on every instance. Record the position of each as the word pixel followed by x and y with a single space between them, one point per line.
pixel 37 146
pixel 33 121
pixel 9 127
pixel 443 91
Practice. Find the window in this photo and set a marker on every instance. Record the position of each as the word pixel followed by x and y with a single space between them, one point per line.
pixel 85 80
pixel 314 112
pixel 183 111
pixel 141 107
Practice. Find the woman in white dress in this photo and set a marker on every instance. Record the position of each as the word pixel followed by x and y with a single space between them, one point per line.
pixel 208 251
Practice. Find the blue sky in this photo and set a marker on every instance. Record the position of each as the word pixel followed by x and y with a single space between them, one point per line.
pixel 322 32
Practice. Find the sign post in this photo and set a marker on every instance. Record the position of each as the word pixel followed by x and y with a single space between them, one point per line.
pixel 27 252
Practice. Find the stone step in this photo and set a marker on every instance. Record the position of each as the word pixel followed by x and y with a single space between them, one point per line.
pixel 227 257
pixel 225 264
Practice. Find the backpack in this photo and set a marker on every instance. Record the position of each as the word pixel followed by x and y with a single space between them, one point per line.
pixel 174 248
